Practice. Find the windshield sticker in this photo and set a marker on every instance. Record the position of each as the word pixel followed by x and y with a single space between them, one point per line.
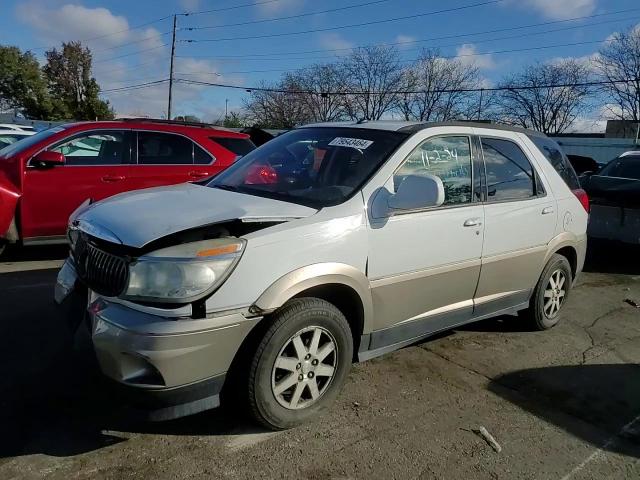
pixel 358 143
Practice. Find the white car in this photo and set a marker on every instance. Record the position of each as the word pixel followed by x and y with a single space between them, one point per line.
pixel 15 126
pixel 8 137
pixel 331 243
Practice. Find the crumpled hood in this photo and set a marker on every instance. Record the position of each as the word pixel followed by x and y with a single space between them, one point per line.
pixel 139 217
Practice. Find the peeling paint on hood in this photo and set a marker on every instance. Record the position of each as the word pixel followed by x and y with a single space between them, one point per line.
pixel 140 217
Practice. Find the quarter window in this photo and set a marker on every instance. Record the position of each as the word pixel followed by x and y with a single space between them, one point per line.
pixel 558 159
pixel 446 157
pixel 164 149
pixel 106 147
pixel 200 156
pixel 510 175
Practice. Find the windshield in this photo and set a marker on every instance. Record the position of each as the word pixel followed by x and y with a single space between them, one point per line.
pixel 28 142
pixel 623 167
pixel 316 167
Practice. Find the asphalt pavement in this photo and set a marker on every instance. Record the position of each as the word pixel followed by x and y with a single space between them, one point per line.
pixel 562 404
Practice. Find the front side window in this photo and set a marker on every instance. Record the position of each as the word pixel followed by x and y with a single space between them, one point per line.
pixel 446 157
pixel 156 148
pixel 105 147
pixel 317 167
pixel 510 176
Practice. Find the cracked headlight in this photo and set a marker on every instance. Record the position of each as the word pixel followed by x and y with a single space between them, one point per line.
pixel 183 273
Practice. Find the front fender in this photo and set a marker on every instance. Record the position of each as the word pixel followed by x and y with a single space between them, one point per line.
pixel 291 284
pixel 9 196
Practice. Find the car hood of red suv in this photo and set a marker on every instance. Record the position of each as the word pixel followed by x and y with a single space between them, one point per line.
pixel 140 217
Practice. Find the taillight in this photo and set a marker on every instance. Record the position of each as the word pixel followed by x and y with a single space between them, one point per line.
pixel 583 197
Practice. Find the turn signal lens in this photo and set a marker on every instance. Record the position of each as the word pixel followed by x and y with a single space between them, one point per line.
pixel 583 197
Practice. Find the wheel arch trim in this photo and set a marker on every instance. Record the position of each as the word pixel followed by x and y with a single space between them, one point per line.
pixel 316 275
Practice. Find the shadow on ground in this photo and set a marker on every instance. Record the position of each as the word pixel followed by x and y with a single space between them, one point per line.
pixel 16 253
pixel 605 396
pixel 68 409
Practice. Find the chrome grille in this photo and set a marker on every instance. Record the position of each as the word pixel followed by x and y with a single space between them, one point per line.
pixel 102 272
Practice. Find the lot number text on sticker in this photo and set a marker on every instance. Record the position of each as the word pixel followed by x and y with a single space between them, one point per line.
pixel 350 142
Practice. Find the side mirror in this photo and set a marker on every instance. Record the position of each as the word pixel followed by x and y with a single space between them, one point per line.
pixel 418 191
pixel 48 159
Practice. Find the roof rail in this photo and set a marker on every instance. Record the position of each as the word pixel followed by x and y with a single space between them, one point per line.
pixel 170 122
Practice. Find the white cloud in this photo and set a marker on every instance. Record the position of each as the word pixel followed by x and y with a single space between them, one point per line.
pixel 468 55
pixel 559 9
pixel 274 7
pixel 190 5
pixel 405 41
pixel 335 41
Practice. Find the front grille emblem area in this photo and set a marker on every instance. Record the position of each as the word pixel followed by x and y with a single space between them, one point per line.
pixel 103 272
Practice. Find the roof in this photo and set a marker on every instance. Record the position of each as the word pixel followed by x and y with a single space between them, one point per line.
pixel 413 127
pixel 631 153
pixel 143 123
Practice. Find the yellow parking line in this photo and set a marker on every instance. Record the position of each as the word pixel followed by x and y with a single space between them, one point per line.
pixel 11 267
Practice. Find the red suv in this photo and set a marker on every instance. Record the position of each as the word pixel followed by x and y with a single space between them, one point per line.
pixel 45 177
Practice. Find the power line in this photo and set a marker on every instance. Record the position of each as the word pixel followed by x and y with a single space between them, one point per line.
pixel 407 92
pixel 410 60
pixel 135 86
pixel 102 60
pixel 445 37
pixel 289 17
pixel 225 9
pixel 509 37
pixel 136 27
pixel 353 25
pixel 133 42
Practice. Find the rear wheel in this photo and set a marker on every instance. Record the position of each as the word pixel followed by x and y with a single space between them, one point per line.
pixel 551 293
pixel 300 364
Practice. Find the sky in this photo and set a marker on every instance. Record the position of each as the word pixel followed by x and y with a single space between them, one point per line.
pixel 131 39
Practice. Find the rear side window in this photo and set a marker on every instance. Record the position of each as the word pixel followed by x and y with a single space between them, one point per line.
pixel 510 176
pixel 238 146
pixel 558 160
pixel 164 149
pixel 200 157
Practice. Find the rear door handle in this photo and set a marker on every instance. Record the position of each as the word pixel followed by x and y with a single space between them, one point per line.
pixel 195 174
pixel 547 210
pixel 113 178
pixel 472 222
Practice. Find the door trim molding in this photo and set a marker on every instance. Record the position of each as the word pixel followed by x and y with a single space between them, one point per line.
pixel 416 274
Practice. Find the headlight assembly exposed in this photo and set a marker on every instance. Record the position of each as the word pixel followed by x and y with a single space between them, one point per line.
pixel 183 273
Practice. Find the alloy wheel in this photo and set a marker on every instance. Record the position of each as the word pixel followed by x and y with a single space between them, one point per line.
pixel 304 368
pixel 554 293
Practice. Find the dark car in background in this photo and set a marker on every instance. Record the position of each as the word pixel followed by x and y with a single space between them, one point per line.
pixel 614 192
pixel 45 177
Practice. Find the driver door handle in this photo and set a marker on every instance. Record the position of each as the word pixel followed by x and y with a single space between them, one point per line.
pixel 472 222
pixel 113 178
pixel 195 174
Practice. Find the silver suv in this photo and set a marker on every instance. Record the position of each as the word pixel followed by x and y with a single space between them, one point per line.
pixel 330 244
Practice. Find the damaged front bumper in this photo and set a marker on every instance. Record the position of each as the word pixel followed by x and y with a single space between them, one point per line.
pixel 169 367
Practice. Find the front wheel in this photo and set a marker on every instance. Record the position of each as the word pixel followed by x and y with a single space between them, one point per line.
pixel 550 294
pixel 300 365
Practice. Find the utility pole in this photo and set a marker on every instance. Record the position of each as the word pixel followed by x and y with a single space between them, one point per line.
pixel 226 107
pixel 173 54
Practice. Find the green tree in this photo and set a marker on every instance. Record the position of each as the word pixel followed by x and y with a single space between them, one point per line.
pixel 22 85
pixel 75 92
pixel 234 120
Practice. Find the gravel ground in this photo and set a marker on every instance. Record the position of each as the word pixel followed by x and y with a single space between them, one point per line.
pixel 562 404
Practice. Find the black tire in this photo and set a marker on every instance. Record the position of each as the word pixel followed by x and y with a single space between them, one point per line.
pixel 536 314
pixel 304 315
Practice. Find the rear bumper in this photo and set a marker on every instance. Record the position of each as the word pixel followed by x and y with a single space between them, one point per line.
pixel 615 223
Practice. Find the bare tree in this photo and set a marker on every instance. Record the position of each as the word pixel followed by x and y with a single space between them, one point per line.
pixel 435 88
pixel 546 96
pixel 277 108
pixel 618 64
pixel 373 76
pixel 323 84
